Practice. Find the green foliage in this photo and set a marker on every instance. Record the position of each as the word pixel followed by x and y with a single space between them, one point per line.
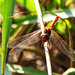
pixel 29 4
pixel 30 19
pixel 25 70
pixel 70 71
pixel 7 12
pixel 67 3
pixel 1 6
pixel 21 70
pixel 0 50
pixel 7 72
pixel 52 5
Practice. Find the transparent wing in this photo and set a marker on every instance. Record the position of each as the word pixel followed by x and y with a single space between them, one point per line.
pixel 31 40
pixel 60 44
pixel 18 40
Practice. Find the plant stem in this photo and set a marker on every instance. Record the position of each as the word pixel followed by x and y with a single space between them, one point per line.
pixel 46 43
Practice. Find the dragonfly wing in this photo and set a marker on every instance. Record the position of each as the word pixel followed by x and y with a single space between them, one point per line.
pixel 18 40
pixel 31 40
pixel 60 44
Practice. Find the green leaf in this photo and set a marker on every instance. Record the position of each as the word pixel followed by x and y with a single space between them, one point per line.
pixel 7 12
pixel 22 70
pixel 68 2
pixel 70 25
pixel 51 5
pixel 1 18
pixel 1 10
pixel 25 70
pixel 29 19
pixel 7 72
pixel 28 4
pixel 70 71
pixel 61 28
pixel 58 2
pixel 1 5
pixel 0 50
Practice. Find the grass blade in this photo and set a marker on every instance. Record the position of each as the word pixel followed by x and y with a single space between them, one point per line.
pixel 7 12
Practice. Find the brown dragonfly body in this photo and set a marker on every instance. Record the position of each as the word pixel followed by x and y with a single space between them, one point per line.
pixel 20 43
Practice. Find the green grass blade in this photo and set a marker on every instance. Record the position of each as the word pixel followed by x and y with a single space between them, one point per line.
pixel 7 71
pixel 28 4
pixel 70 71
pixel 26 70
pixel 7 12
pixel 29 19
pixel 1 3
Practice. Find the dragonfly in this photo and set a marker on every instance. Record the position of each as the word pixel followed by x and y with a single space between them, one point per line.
pixel 18 44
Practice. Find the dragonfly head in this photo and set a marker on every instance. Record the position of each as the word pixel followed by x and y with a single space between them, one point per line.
pixel 44 37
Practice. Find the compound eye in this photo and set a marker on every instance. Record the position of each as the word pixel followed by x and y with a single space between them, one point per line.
pixel 44 37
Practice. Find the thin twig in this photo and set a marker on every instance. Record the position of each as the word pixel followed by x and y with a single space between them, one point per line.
pixel 46 43
pixel 39 14
pixel 70 44
pixel 47 58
